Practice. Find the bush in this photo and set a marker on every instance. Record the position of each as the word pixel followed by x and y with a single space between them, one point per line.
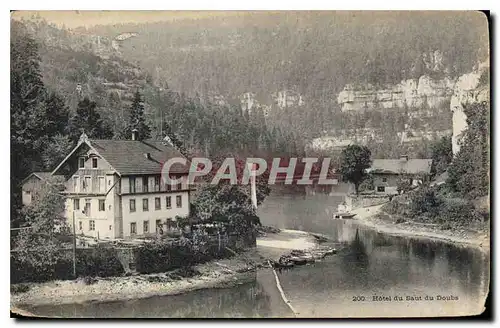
pixel 98 262
pixel 163 256
pixel 425 202
pixel 458 212
pixel 19 288
pixel 101 262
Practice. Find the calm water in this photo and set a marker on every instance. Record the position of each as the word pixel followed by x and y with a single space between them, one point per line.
pixel 371 264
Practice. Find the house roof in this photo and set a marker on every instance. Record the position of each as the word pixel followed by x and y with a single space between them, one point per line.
pixel 128 157
pixel 396 166
pixel 45 176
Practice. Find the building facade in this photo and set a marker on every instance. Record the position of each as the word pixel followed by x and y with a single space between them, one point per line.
pixel 114 188
pixel 34 183
pixel 387 173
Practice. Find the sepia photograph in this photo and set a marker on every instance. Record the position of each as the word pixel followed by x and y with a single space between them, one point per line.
pixel 249 164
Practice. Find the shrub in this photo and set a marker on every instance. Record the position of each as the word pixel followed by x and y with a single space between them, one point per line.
pixel 101 262
pixel 425 202
pixel 98 262
pixel 162 256
pixel 19 288
pixel 458 212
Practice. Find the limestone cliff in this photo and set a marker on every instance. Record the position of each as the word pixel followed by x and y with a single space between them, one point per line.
pixel 412 93
pixel 468 90
pixel 421 97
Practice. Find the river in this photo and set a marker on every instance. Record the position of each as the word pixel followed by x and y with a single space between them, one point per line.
pixel 370 265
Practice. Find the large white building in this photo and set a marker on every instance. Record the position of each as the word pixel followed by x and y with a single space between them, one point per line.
pixel 114 188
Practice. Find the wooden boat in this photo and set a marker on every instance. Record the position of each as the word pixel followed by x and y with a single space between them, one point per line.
pixel 343 215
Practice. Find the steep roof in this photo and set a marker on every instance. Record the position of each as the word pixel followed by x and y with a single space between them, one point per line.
pixel 45 176
pixel 128 157
pixel 396 166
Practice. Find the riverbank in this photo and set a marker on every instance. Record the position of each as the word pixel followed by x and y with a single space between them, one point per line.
pixel 368 216
pixel 214 274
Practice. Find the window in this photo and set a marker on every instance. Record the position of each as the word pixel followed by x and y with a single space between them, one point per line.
pixel 157 203
pixel 145 184
pixel 102 185
pixel 384 179
pixel 168 200
pixel 94 163
pixel 76 203
pixel 179 186
pixel 131 181
pixel 76 184
pixel 145 205
pixel 86 210
pixel 133 228
pixel 171 224
pixel 110 227
pixel 381 189
pixel 178 201
pixel 91 225
pixel 159 226
pixel 145 227
pixel 132 205
pixel 168 186
pixel 102 206
pixel 80 225
pixel 81 162
pixel 157 183
pixel 87 184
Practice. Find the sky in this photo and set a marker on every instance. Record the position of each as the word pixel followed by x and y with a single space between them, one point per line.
pixel 77 18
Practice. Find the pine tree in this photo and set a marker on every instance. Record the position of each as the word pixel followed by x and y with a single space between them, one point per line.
pixel 137 120
pixel 28 117
pixel 88 120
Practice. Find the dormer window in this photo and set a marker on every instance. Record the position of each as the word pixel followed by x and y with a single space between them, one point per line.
pixel 94 163
pixel 81 162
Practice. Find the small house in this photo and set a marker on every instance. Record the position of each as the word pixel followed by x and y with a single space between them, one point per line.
pixel 33 184
pixel 387 173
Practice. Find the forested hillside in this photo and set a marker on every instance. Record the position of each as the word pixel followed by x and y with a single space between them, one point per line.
pixel 189 76
pixel 314 54
pixel 60 88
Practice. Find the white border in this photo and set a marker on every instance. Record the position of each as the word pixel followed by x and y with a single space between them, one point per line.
pixel 197 5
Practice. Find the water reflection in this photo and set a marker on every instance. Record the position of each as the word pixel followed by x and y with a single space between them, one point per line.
pixel 371 263
pixel 243 301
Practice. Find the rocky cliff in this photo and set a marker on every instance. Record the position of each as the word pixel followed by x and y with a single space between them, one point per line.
pixel 412 93
pixel 419 99
pixel 468 89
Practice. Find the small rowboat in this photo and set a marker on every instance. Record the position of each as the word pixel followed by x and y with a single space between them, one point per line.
pixel 344 215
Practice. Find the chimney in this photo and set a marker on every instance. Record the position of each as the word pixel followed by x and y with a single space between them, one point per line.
pixel 135 134
pixel 147 155
pixel 404 157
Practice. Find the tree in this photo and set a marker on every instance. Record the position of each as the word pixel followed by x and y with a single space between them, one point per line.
pixel 227 204
pixel 469 172
pixel 137 120
pixel 56 151
pixel 88 120
pixel 37 245
pixel 355 160
pixel 425 201
pixel 29 122
pixel 403 184
pixel 57 115
pixel 441 155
